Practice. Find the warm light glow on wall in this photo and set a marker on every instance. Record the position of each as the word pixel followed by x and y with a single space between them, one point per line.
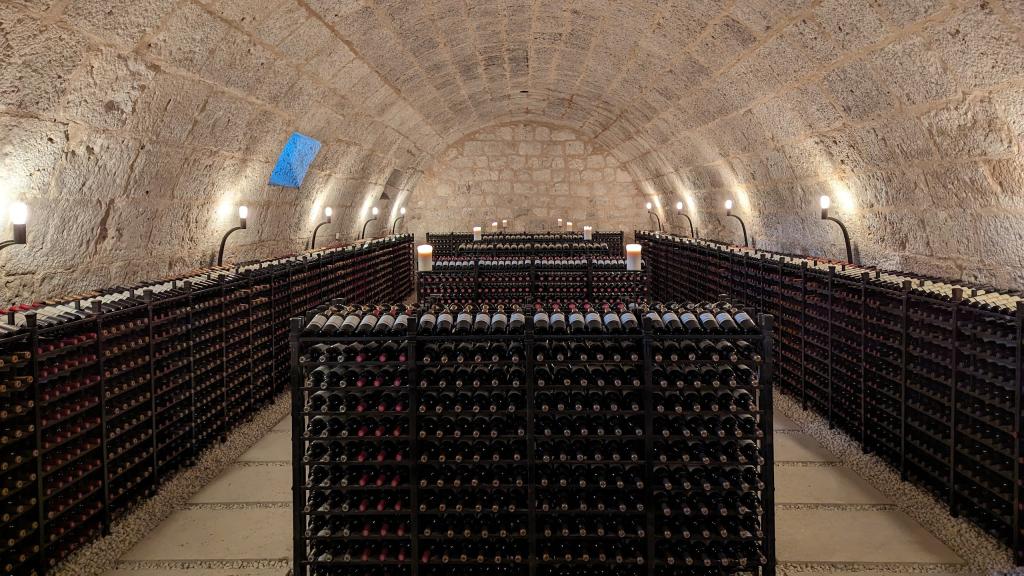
pixel 742 198
pixel 226 209
pixel 19 213
pixel 842 196
pixel 691 205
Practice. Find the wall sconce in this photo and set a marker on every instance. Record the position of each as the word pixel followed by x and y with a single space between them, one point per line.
pixel 19 221
pixel 588 232
pixel 478 233
pixel 243 216
pixel 327 214
pixel 679 212
pixel 504 223
pixel 728 212
pixel 655 214
pixel 374 212
pixel 568 225
pixel 559 223
pixel 401 216
pixel 825 203
pixel 494 226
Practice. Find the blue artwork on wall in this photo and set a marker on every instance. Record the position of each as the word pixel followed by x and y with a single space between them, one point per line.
pixel 295 159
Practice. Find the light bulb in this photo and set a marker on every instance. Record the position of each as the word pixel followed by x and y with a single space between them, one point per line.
pixel 375 211
pixel 648 205
pixel 728 204
pixel 328 212
pixel 243 212
pixel 679 205
pixel 19 213
pixel 825 202
pixel 402 210
pixel 495 223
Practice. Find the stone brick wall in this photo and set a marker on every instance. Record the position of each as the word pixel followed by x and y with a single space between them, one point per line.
pixel 133 128
pixel 910 115
pixel 530 174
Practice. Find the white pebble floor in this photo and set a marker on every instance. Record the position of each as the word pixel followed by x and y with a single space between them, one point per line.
pixel 982 554
pixel 101 555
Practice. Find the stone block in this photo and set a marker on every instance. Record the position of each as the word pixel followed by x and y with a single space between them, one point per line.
pixel 969 129
pixel 36 63
pixel 121 21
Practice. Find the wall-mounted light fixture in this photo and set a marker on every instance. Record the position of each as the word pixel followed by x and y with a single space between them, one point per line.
pixel 243 216
pixel 504 223
pixel 655 214
pixel 568 225
pixel 728 212
pixel 559 223
pixel 327 220
pixel 374 211
pixel 19 222
pixel 679 212
pixel 826 202
pixel 478 233
pixel 494 226
pixel 401 216
pixel 588 232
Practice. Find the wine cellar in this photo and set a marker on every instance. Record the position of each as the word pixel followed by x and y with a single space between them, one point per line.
pixel 466 441
pixel 518 288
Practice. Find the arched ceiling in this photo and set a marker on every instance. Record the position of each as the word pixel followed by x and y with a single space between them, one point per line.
pixel 887 104
pixel 605 68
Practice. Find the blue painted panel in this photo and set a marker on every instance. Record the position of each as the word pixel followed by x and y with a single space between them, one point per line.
pixel 294 162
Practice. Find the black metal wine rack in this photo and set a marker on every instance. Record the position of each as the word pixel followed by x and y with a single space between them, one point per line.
pixel 524 526
pixel 98 411
pixel 448 244
pixel 533 281
pixel 925 373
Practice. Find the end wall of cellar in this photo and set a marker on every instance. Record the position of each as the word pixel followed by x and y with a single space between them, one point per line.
pixel 529 173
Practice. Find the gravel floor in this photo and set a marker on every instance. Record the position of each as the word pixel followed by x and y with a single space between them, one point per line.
pixel 981 553
pixel 102 555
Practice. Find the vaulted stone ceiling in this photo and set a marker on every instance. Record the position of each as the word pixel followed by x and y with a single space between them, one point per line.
pixel 139 115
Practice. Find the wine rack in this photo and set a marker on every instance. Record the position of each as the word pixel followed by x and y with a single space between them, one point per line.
pixel 461 280
pixel 923 372
pixel 581 248
pixel 20 463
pixel 538 447
pixel 103 399
pixel 448 244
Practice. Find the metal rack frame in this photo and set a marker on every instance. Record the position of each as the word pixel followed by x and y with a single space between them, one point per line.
pixel 644 337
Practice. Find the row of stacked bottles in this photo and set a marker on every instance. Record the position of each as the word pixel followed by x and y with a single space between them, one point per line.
pixel 103 398
pixel 448 244
pixel 924 372
pixel 555 439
